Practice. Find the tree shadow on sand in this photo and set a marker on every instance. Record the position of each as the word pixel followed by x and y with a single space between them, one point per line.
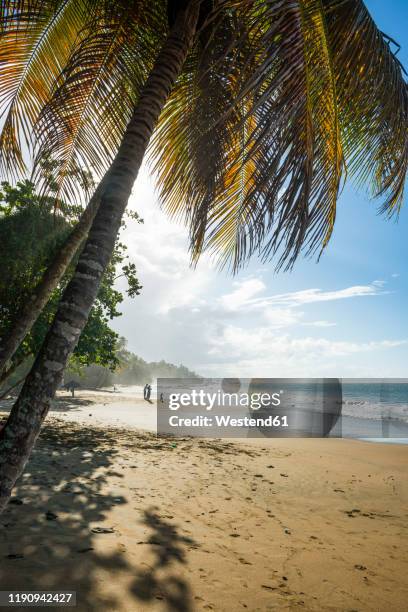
pixel 46 537
pixel 70 403
pixel 169 548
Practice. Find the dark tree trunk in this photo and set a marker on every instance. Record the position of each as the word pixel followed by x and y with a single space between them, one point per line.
pixel 7 373
pixel 38 300
pixel 7 391
pixel 23 426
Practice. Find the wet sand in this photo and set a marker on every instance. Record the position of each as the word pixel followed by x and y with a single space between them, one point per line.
pixel 135 522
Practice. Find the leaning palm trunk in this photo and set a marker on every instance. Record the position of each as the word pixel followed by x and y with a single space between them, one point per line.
pixel 6 373
pixel 42 293
pixel 26 417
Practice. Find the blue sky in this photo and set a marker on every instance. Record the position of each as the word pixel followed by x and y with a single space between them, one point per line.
pixel 343 316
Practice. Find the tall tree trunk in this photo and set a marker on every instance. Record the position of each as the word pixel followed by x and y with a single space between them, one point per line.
pixel 13 367
pixel 23 426
pixel 7 391
pixel 52 276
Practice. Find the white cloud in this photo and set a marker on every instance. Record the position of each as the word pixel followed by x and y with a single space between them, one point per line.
pixel 261 341
pixel 261 352
pixel 222 327
pixel 242 293
pixel 242 298
pixel 282 310
pixel 320 324
pixel 310 296
pixel 277 318
pixel 159 247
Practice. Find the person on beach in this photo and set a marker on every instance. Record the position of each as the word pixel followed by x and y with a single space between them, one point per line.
pixel 71 386
pixel 145 391
pixel 148 392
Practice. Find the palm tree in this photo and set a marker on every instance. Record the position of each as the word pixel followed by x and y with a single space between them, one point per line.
pixel 38 40
pixel 257 109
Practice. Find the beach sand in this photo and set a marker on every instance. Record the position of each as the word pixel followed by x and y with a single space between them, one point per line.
pixel 133 522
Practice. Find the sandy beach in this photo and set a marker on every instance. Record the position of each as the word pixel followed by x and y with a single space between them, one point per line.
pixel 133 522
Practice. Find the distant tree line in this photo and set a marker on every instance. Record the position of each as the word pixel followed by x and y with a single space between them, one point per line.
pixel 130 370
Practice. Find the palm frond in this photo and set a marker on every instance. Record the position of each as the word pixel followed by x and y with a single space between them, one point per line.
pixel 36 40
pixel 187 154
pixel 270 180
pixel 373 101
pixel 276 100
pixel 81 126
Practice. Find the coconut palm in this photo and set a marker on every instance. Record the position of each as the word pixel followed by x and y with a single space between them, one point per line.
pixel 257 109
pixel 107 45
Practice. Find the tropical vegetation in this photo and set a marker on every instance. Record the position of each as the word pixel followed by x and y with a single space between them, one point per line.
pixel 256 111
pixel 30 228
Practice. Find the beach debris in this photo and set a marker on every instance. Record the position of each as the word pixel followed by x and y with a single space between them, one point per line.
pixel 352 513
pixel 269 587
pixel 103 530
pixel 16 501
pixel 287 531
pixel 284 475
pixel 84 550
pixel 15 556
pixel 51 516
pixel 360 567
pixel 244 561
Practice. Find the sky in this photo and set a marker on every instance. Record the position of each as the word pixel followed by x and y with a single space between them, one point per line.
pixel 344 316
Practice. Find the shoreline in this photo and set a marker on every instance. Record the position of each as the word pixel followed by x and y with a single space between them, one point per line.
pixel 126 407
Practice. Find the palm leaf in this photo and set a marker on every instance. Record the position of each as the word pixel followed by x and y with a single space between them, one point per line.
pixel 373 101
pixel 187 155
pixel 276 99
pixel 81 126
pixel 276 155
pixel 36 40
